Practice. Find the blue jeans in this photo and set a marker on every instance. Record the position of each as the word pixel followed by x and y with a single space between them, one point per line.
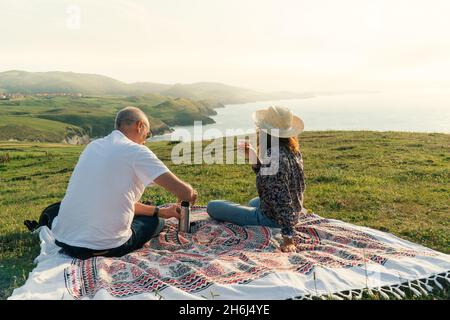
pixel 143 229
pixel 250 215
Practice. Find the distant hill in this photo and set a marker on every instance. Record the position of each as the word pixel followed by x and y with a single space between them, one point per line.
pixel 226 94
pixel 16 81
pixel 149 87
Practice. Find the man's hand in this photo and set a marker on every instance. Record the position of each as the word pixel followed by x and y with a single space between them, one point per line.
pixel 173 211
pixel 192 198
pixel 288 245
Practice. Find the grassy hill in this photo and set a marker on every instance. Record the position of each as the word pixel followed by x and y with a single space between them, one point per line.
pixel 395 182
pixel 23 128
pixel 29 118
pixel 181 111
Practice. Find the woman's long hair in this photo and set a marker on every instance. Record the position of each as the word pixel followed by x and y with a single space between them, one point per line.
pixel 291 143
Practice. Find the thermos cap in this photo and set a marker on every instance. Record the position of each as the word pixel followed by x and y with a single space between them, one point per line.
pixel 185 203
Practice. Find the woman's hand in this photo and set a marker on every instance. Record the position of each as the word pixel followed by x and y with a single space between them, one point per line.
pixel 249 151
pixel 174 211
pixel 288 245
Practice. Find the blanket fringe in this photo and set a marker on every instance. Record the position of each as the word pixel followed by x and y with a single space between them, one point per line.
pixel 416 288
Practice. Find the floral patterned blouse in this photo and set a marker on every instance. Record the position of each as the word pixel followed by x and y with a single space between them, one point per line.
pixel 281 191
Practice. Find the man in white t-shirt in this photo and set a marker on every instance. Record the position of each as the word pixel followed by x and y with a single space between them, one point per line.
pixel 100 213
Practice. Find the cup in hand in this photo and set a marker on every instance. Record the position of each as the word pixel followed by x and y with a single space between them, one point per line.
pixel 242 144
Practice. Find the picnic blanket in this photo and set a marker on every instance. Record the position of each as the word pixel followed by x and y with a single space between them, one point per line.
pixel 220 260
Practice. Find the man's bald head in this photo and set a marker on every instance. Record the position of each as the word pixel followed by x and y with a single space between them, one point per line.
pixel 134 124
pixel 129 116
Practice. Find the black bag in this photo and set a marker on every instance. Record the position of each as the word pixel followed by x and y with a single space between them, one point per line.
pixel 49 214
pixel 46 218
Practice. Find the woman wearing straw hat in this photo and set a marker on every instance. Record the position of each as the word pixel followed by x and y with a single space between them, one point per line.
pixel 279 177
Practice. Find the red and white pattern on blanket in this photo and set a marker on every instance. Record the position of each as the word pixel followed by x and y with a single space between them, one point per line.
pixel 223 253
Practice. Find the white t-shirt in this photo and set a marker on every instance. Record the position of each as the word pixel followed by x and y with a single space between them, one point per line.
pixel 109 178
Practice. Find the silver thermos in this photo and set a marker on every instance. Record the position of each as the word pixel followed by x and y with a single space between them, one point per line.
pixel 184 223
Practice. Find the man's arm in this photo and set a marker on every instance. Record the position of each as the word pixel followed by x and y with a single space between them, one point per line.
pixel 182 190
pixel 141 209
pixel 144 209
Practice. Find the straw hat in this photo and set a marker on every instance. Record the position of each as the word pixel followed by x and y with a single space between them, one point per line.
pixel 278 121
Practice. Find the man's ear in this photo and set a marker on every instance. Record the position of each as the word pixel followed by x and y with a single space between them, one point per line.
pixel 139 125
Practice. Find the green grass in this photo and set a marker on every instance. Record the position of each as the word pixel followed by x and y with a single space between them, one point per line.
pixel 395 182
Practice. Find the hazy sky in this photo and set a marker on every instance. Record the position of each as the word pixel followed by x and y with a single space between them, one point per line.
pixel 263 44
